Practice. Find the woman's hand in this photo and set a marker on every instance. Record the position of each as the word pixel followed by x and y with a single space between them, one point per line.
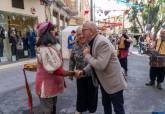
pixel 69 73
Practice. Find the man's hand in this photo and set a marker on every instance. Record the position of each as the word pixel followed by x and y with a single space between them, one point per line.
pixel 86 51
pixel 78 73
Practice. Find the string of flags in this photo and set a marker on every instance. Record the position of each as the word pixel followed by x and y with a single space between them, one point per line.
pixel 139 7
pixel 106 12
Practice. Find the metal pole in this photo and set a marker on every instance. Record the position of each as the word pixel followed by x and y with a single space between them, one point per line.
pixel 123 19
pixel 91 8
pixel 94 15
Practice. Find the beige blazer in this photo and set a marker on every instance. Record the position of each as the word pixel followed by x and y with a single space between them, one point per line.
pixel 106 64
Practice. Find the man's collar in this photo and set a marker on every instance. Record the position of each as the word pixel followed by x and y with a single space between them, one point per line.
pixel 94 36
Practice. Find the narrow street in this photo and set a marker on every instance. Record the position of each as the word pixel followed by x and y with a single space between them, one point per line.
pixel 30 28
pixel 139 99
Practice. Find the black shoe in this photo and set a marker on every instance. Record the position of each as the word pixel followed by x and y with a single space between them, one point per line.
pixel 150 83
pixel 159 86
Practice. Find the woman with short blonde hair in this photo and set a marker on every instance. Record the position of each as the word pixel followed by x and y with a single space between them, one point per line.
pixel 87 93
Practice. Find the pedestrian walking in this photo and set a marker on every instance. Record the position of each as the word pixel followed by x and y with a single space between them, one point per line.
pixel 101 58
pixel 123 50
pixel 87 92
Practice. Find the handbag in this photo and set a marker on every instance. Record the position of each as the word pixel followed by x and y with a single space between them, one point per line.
pixel 19 45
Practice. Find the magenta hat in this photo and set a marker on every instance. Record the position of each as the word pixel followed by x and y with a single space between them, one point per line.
pixel 43 27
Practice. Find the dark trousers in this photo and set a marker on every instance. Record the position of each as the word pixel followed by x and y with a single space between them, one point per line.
pixel 48 105
pixel 87 95
pixel 116 99
pixel 140 47
pixel 32 51
pixel 1 51
pixel 157 73
pixel 124 62
pixel 13 50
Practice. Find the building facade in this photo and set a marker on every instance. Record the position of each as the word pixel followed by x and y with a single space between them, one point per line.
pixel 23 15
pixel 81 10
pixel 18 16
pixel 60 14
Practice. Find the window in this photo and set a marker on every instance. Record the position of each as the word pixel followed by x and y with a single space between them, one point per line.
pixel 18 4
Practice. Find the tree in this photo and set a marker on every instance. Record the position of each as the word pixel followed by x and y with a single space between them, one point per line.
pixel 133 15
pixel 154 15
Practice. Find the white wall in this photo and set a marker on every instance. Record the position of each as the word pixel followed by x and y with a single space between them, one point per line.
pixel 6 5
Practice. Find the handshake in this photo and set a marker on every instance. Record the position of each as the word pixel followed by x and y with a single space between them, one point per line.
pixel 33 67
pixel 76 73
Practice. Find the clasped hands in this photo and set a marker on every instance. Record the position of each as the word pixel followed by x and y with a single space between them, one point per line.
pixel 77 73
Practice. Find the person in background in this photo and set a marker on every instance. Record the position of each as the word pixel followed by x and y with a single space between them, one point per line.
pixel 123 49
pixel 2 37
pixel 158 73
pixel 87 93
pixel 71 41
pixel 25 45
pixel 20 45
pixel 50 73
pixel 141 44
pixel 31 36
pixel 13 42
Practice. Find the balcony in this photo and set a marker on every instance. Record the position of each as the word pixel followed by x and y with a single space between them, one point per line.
pixel 70 11
pixel 60 3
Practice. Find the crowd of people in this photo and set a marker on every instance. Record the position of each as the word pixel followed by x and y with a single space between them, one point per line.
pixel 93 62
pixel 21 44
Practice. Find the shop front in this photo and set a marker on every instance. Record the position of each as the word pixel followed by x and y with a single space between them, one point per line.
pixel 15 39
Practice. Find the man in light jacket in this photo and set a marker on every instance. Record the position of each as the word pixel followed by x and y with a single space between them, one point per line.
pixel 102 59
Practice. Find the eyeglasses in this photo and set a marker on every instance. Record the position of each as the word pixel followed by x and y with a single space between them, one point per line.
pixel 85 29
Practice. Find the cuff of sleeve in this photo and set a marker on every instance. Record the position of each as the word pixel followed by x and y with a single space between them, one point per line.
pixel 59 72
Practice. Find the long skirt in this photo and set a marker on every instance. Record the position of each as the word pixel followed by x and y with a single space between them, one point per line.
pixel 87 95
